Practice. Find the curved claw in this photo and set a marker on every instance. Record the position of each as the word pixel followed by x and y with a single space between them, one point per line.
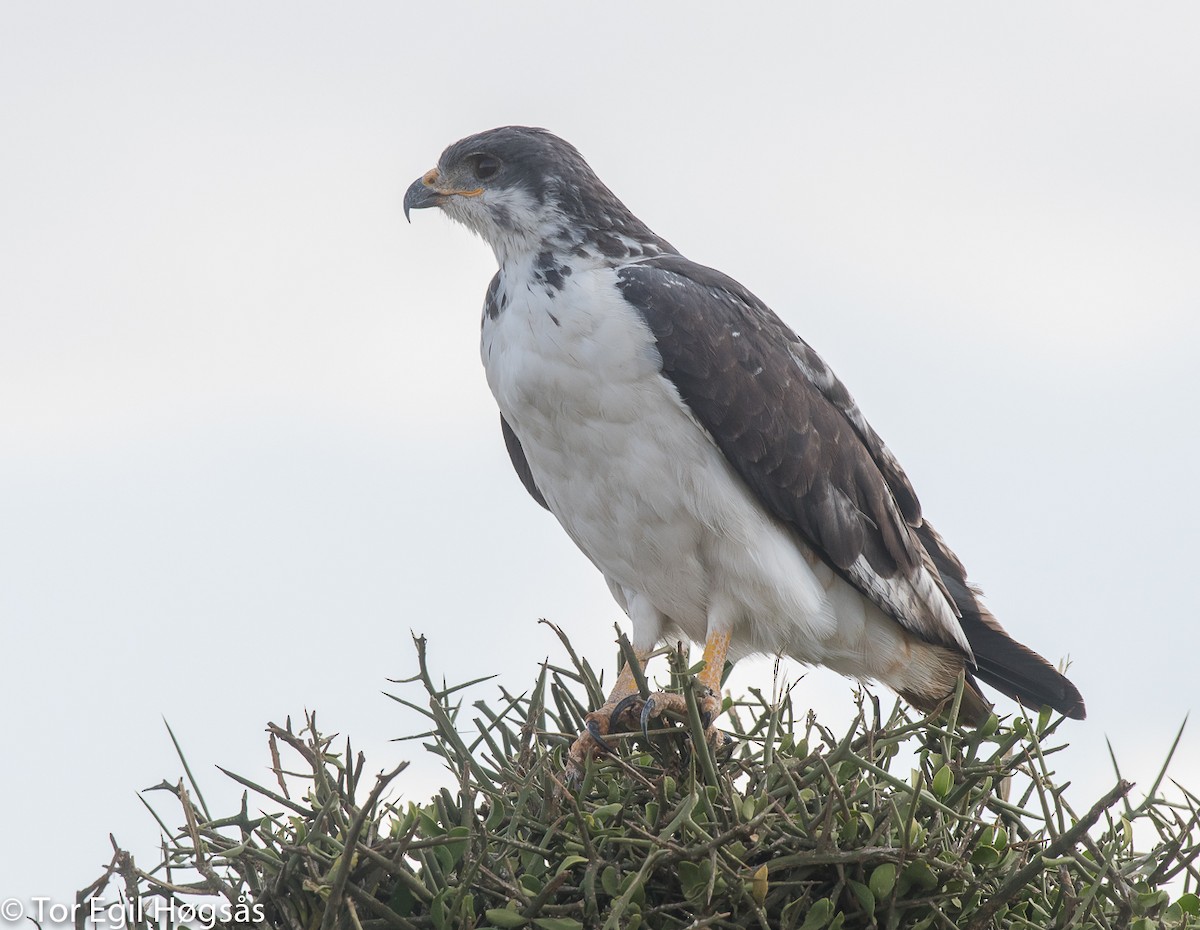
pixel 622 706
pixel 647 713
pixel 710 707
pixel 593 729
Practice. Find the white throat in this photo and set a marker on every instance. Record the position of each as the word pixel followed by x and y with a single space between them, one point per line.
pixel 511 222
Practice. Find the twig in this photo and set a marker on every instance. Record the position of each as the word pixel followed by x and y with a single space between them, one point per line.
pixel 1065 841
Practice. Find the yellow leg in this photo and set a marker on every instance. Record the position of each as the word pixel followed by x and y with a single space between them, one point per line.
pixel 626 684
pixel 715 648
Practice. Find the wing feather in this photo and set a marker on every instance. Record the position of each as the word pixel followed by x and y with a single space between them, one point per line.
pixel 795 436
pixel 520 463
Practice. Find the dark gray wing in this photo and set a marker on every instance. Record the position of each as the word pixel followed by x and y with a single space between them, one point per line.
pixel 793 433
pixel 520 463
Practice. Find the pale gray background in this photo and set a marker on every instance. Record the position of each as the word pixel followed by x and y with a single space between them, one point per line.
pixel 245 440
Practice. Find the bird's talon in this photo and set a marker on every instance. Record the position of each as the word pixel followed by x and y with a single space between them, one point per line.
pixel 621 707
pixel 593 729
pixel 647 713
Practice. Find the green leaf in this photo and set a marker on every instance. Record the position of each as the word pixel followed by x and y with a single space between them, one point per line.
pixel 1189 904
pixel 985 855
pixel 693 879
pixel 402 824
pixel 943 781
pixel 818 915
pixel 882 880
pixel 495 816
pixel 557 923
pixel 503 918
pixel 429 828
pixel 610 881
pixel 787 915
pixel 569 862
pixel 916 834
pixel 865 896
pixel 607 812
pixel 635 882
pixel 920 874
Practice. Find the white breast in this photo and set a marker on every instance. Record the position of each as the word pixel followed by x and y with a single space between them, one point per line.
pixel 642 489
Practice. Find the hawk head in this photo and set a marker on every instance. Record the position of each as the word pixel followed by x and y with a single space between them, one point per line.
pixel 519 188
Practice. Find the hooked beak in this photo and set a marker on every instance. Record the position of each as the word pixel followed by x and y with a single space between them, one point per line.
pixel 423 193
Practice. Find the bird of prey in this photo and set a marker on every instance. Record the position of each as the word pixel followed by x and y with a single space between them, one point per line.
pixel 702 455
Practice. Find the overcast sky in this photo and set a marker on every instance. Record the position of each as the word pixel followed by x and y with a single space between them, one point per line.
pixel 245 440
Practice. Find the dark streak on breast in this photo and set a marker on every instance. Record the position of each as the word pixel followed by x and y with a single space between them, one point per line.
pixel 550 272
pixel 495 301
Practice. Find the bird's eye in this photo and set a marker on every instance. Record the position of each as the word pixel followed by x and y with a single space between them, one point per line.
pixel 484 166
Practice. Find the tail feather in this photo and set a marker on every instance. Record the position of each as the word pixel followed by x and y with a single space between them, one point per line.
pixel 1000 661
